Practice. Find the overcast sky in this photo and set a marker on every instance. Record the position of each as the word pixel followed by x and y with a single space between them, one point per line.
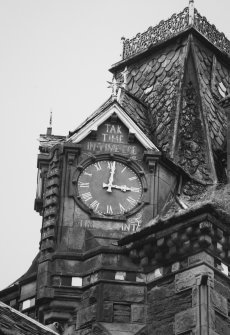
pixel 55 55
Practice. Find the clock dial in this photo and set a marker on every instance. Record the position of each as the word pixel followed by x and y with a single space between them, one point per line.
pixel 109 188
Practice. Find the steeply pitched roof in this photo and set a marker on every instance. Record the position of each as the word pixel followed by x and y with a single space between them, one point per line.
pixel 12 322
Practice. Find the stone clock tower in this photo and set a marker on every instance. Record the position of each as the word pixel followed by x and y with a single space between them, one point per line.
pixel 135 232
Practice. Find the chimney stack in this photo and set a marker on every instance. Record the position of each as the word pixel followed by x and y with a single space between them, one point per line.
pixel 49 129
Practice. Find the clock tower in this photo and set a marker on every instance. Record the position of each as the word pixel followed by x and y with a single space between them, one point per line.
pixel 105 181
pixel 135 232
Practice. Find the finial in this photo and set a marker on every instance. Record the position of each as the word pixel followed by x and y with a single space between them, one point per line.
pixel 122 47
pixel 49 129
pixel 114 85
pixel 191 12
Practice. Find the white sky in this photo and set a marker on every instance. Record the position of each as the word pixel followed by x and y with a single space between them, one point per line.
pixel 55 54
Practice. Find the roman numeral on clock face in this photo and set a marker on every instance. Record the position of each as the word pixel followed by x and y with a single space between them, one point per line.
pixel 135 189
pixel 133 178
pixel 122 209
pixel 94 205
pixel 97 166
pixel 131 201
pixel 87 174
pixel 81 184
pixel 86 196
pixel 109 209
pixel 110 164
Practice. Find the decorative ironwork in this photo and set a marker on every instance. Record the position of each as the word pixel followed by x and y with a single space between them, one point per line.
pixel 211 33
pixel 163 31
pixel 178 23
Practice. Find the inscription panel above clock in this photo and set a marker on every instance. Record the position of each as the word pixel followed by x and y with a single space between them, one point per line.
pixel 115 138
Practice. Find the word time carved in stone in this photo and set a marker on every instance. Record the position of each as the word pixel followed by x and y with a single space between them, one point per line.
pixel 112 138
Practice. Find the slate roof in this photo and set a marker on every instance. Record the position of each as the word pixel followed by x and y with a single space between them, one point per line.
pixel 216 116
pixel 133 107
pixel 12 322
pixel 155 81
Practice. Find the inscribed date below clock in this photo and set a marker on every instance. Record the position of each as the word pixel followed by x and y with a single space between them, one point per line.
pixel 109 188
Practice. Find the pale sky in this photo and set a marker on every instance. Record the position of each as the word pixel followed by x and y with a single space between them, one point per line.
pixel 55 54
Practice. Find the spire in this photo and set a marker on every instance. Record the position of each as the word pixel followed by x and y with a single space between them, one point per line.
pixel 191 12
pixel 49 129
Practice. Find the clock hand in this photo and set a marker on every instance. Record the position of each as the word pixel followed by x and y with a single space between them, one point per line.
pixel 109 185
pixel 123 188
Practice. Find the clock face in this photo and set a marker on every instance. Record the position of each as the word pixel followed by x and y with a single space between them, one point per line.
pixel 109 188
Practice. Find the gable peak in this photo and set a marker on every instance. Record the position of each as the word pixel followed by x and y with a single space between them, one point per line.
pixel 114 111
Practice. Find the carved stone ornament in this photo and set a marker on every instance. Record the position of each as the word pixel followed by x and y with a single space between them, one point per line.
pixel 151 157
pixel 192 148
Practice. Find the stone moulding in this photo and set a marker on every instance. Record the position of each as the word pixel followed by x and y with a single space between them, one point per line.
pixel 176 24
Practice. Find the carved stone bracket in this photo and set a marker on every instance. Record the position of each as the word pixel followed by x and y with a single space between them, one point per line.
pixel 151 157
pixel 72 151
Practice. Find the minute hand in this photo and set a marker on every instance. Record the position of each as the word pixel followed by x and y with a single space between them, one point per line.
pixel 109 185
pixel 123 188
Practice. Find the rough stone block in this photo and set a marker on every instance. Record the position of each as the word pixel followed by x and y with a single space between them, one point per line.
pixel 69 267
pixel 187 279
pixel 124 293
pixel 200 258
pixel 163 329
pixel 219 302
pixel 222 325
pixel 86 315
pixel 158 273
pixel 107 313
pixel 68 212
pixel 76 238
pixel 222 288
pixel 138 313
pixel 185 321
